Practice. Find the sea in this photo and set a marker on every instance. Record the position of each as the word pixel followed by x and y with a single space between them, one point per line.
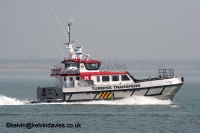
pixel 130 115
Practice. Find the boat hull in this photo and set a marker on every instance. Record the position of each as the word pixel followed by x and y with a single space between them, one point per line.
pixel 160 89
pixel 162 93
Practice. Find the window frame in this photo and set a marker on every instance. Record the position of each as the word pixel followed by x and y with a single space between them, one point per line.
pixel 71 65
pixel 115 76
pixel 98 78
pixel 122 79
pixel 89 67
pixel 70 78
pixel 77 78
pixel 103 80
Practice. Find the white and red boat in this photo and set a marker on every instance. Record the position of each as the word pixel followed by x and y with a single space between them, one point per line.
pixel 80 79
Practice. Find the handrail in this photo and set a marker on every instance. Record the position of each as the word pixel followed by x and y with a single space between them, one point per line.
pixel 166 73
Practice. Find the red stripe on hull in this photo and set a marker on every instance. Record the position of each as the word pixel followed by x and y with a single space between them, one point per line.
pixel 91 73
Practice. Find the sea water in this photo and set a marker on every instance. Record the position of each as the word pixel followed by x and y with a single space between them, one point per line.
pixel 135 114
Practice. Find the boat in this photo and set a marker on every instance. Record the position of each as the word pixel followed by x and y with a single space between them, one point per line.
pixel 80 79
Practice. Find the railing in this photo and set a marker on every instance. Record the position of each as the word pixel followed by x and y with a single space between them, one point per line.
pixel 166 73
pixel 57 70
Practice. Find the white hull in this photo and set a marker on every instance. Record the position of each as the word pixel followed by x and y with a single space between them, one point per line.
pixel 161 89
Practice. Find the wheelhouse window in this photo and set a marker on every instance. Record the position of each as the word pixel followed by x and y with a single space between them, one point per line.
pixel 98 79
pixel 105 78
pixel 70 65
pixel 115 78
pixel 64 78
pixel 125 78
pixel 92 66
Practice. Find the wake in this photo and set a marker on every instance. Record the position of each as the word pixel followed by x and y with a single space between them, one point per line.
pixel 4 100
pixel 135 100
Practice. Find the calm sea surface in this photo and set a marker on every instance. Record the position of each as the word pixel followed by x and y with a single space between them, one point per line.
pixel 136 114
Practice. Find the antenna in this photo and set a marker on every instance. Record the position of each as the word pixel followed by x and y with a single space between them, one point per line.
pixel 58 20
pixel 56 43
pixel 69 27
pixel 70 43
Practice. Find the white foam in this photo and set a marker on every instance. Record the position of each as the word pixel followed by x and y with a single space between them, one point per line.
pixel 174 106
pixel 135 100
pixel 4 100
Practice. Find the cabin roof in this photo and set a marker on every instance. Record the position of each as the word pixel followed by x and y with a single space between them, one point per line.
pixel 82 61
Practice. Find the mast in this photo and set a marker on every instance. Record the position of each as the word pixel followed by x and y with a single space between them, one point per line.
pixel 77 53
pixel 69 27
pixel 71 50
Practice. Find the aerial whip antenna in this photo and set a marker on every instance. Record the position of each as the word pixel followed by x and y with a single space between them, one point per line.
pixel 58 20
pixel 69 25
pixel 56 43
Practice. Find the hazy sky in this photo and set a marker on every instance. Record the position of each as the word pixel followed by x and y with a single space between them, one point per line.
pixel 121 29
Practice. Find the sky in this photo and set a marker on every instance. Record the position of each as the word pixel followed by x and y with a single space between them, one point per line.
pixel 107 29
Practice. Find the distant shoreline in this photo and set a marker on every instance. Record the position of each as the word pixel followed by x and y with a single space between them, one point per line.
pixel 107 65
